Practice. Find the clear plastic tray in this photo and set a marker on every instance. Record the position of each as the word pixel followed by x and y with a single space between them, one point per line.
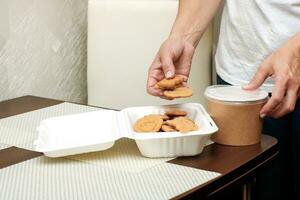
pixel 98 131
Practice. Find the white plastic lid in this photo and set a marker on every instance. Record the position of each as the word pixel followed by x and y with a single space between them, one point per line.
pixel 233 94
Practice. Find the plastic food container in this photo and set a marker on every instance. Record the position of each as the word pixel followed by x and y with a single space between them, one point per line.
pixel 236 113
pixel 97 131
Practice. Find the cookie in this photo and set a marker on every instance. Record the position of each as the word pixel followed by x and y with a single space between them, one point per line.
pixel 149 123
pixel 182 124
pixel 163 116
pixel 180 92
pixel 170 84
pixel 175 113
pixel 167 128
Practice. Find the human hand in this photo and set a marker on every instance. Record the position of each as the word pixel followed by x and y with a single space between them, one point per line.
pixel 283 66
pixel 174 57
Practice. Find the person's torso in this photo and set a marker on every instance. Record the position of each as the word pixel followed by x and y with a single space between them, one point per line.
pixel 250 31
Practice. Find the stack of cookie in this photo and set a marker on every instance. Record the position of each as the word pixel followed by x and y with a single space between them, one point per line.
pixel 173 88
pixel 173 120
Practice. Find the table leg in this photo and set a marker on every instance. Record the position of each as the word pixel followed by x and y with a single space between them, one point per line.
pixel 248 189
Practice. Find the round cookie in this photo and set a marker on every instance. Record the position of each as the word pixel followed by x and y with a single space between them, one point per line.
pixel 182 124
pixel 181 92
pixel 175 112
pixel 163 116
pixel 167 128
pixel 170 84
pixel 149 123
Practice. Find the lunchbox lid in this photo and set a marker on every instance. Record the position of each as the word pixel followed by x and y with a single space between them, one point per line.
pixel 98 130
pixel 230 93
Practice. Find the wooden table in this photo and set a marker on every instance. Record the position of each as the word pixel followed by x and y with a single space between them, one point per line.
pixel 238 165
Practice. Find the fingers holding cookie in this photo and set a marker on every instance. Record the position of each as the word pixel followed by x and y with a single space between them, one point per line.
pixel 170 84
pixel 174 88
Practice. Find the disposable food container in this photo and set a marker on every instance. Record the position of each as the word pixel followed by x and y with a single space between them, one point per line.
pixel 98 131
pixel 236 113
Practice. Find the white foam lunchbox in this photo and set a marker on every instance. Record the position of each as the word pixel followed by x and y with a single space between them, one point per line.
pixel 98 131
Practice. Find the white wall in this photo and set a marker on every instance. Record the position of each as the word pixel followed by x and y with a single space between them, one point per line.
pixel 43 49
pixel 119 57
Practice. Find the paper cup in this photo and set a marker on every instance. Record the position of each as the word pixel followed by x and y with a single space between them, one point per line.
pixel 236 113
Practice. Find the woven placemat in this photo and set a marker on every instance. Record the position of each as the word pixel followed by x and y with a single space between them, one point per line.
pixel 20 130
pixel 4 146
pixel 123 156
pixel 64 179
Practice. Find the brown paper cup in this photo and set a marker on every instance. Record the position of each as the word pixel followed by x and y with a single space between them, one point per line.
pixel 236 112
pixel 239 124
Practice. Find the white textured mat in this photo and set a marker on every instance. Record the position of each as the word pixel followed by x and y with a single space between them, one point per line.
pixel 59 179
pixel 117 173
pixel 20 130
pixel 123 156
pixel 3 146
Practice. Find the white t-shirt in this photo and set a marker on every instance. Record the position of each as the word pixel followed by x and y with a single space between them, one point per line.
pixel 250 31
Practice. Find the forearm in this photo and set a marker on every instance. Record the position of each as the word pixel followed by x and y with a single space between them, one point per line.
pixel 193 18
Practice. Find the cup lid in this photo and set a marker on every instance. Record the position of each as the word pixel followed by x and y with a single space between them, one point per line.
pixel 234 94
